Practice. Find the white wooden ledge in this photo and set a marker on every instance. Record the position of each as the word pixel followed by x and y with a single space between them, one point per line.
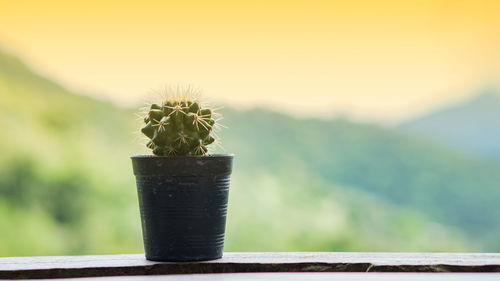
pixel 136 264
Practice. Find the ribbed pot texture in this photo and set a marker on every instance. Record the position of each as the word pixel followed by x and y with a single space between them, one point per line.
pixel 183 205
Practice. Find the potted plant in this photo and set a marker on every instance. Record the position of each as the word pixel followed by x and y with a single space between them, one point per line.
pixel 182 190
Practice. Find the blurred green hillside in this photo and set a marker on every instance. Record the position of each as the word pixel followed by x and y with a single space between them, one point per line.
pixel 455 190
pixel 66 184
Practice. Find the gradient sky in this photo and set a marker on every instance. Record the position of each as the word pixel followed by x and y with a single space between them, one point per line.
pixel 377 60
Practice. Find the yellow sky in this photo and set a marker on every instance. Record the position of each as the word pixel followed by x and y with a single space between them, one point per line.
pixel 371 59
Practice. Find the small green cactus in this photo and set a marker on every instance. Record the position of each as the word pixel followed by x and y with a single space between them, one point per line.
pixel 179 126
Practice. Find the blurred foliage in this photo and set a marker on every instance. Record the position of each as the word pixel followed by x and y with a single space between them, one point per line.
pixel 66 183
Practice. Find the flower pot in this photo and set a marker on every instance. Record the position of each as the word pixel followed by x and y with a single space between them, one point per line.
pixel 183 205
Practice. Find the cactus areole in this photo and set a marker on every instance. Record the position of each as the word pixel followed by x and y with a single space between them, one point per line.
pixel 183 190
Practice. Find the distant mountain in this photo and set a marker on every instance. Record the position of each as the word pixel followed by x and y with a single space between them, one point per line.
pixel 472 126
pixel 66 184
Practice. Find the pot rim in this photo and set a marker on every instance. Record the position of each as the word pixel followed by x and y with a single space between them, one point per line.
pixel 223 155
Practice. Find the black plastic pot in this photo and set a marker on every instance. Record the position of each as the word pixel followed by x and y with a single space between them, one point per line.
pixel 183 204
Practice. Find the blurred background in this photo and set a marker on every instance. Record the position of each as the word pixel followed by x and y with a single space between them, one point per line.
pixel 357 125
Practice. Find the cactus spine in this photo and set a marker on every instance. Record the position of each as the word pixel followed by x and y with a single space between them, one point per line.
pixel 179 127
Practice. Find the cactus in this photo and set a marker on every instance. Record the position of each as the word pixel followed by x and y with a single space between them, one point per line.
pixel 179 126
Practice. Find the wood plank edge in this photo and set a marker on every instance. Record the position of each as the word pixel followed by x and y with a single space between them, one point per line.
pixel 197 268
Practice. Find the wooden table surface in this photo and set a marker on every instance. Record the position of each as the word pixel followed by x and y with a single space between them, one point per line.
pixel 302 276
pixel 284 262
